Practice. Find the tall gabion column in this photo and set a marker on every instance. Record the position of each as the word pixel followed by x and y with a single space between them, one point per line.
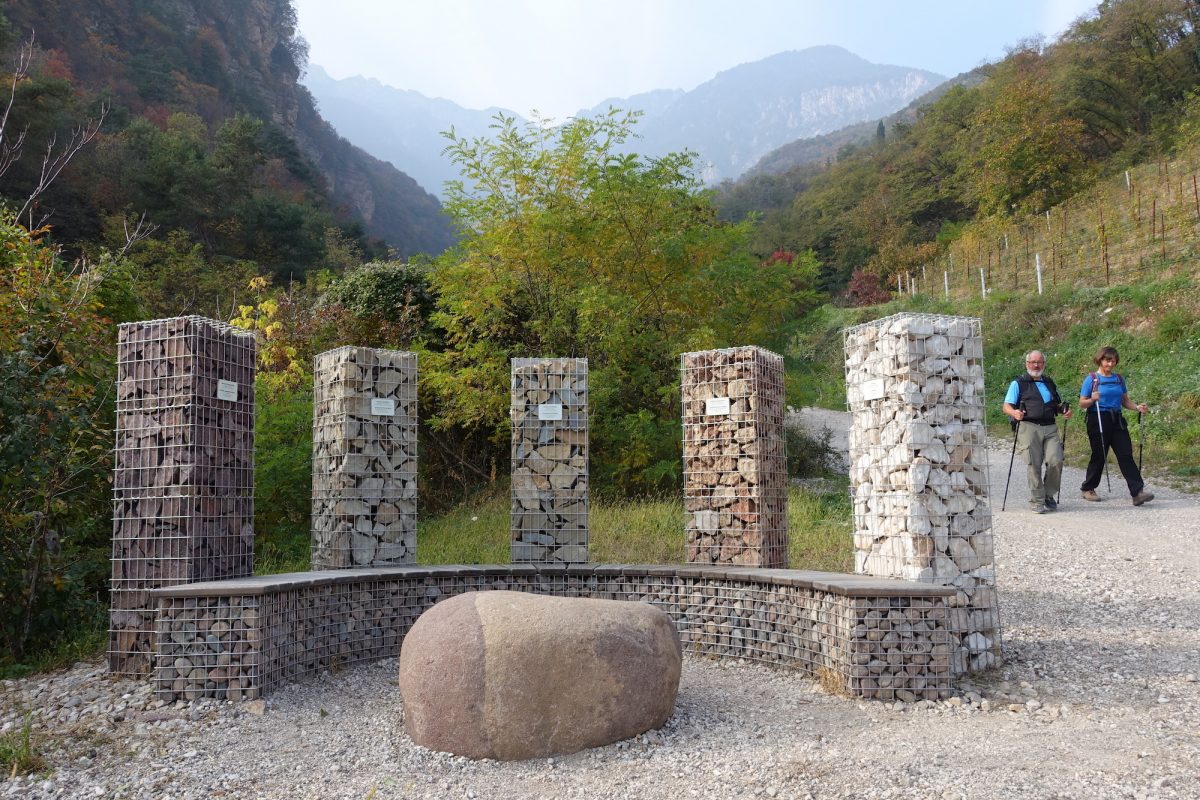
pixel 183 484
pixel 918 467
pixel 364 471
pixel 734 465
pixel 549 459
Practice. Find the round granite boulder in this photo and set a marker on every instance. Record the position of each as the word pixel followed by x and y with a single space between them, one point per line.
pixel 509 675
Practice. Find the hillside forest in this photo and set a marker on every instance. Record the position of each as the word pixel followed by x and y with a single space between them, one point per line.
pixel 160 158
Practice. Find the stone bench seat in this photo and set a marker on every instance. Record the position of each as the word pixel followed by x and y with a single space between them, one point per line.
pixel 870 637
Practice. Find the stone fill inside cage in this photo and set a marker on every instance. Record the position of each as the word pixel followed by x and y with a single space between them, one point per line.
pixel 891 645
pixel 364 464
pixel 183 483
pixel 549 460
pixel 734 463
pixel 918 465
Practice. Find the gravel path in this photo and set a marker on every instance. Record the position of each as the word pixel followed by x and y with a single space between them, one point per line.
pixel 1098 698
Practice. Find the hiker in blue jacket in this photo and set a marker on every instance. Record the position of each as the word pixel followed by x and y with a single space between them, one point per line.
pixel 1104 394
pixel 1033 403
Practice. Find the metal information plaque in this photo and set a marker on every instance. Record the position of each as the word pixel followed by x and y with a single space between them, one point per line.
pixel 549 411
pixel 716 405
pixel 383 406
pixel 227 390
pixel 873 390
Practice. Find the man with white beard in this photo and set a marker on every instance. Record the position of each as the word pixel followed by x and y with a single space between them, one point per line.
pixel 1032 403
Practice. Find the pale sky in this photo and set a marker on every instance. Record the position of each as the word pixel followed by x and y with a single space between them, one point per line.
pixel 560 56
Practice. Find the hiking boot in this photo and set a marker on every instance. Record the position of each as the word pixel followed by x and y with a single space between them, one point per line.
pixel 1142 497
pixel 1090 494
pixel 1051 504
pixel 1038 509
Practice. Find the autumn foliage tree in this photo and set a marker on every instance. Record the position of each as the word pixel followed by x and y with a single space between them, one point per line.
pixel 572 248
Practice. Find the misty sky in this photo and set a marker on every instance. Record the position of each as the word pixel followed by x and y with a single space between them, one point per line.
pixel 560 56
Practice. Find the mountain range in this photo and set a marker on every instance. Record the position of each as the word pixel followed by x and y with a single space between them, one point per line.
pixel 730 121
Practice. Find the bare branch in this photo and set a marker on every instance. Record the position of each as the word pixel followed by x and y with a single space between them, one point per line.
pixel 10 150
pixel 141 230
pixel 53 165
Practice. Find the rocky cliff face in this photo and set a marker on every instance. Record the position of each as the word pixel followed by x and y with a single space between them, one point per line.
pixel 746 112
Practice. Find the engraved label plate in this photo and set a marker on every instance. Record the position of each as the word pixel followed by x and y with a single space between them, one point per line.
pixel 383 406
pixel 873 390
pixel 716 405
pixel 549 411
pixel 227 390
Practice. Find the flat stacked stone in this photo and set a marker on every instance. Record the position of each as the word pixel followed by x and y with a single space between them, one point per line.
pixel 183 483
pixel 549 460
pixel 364 466
pixel 734 464
pixel 918 466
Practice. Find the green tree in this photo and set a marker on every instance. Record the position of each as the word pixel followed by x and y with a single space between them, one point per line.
pixel 56 367
pixel 571 247
pixel 1026 155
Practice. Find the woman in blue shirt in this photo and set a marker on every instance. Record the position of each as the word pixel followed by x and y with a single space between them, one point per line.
pixel 1104 395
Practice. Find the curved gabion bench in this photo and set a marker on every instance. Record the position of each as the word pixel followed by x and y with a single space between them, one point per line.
pixel 872 637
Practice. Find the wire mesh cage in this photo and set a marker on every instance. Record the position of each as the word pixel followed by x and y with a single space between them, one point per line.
pixel 734 463
pixel 549 460
pixel 918 464
pixel 364 464
pixel 209 647
pixel 183 483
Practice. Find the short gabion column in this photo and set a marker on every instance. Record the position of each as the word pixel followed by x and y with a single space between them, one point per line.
pixel 918 467
pixel 550 459
pixel 364 470
pixel 734 465
pixel 183 484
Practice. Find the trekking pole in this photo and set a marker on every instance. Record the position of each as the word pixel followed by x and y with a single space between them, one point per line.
pixel 1066 420
pixel 1103 446
pixel 1141 440
pixel 1016 428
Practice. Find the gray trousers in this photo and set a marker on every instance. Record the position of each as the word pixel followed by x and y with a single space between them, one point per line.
pixel 1041 447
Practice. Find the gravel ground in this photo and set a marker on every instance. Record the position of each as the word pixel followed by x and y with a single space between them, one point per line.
pixel 1098 698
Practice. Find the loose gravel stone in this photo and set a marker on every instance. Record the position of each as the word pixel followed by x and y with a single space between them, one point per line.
pixel 1086 676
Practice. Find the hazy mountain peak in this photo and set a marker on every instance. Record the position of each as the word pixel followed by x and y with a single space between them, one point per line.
pixel 731 120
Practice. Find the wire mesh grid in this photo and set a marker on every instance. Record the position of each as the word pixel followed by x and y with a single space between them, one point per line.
pixel 243 646
pixel 364 464
pixel 183 496
pixel 549 460
pixel 734 462
pixel 918 462
pixel 209 647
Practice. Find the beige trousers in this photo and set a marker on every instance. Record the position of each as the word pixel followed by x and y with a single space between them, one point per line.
pixel 1041 448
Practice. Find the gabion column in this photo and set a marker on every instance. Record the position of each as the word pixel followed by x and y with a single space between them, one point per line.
pixel 918 466
pixel 549 459
pixel 183 484
pixel 734 465
pixel 364 472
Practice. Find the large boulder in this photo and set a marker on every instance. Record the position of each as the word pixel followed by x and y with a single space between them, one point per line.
pixel 509 675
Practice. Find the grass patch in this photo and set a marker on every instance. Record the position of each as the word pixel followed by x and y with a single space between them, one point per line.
pixel 475 532
pixel 282 554
pixel 85 642
pixel 643 531
pixel 18 752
